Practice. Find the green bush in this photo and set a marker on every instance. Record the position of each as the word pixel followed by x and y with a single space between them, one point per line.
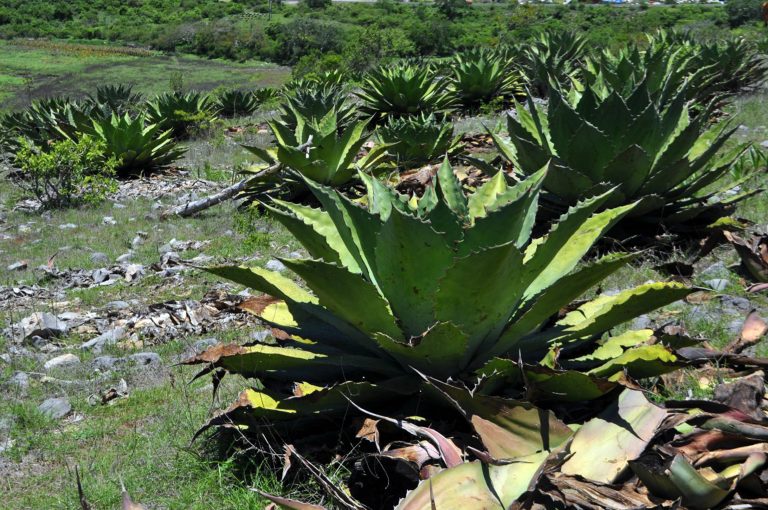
pixel 743 11
pixel 69 173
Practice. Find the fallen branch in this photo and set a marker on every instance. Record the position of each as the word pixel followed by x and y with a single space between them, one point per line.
pixel 194 207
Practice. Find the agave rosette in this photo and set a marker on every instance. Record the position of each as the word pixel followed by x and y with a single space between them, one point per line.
pixel 480 76
pixel 178 112
pixel 661 156
pixel 402 90
pixel 418 140
pixel 404 291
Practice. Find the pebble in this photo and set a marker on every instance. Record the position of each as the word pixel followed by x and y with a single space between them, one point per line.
pixel 107 338
pixel 125 257
pixel 117 305
pixel 18 266
pixel 275 265
pixel 99 258
pixel 108 220
pixel 67 226
pixel 55 408
pixel 65 360
pixel 205 343
pixel 20 380
pixel 105 363
pixel 717 284
pixel 145 358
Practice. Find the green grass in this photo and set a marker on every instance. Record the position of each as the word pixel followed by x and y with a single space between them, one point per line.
pixel 31 72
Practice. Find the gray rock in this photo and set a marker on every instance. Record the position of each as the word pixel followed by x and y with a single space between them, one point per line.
pixel 125 257
pixel 137 241
pixel 108 220
pixel 117 305
pixel 717 284
pixel 295 255
pixel 5 357
pixel 764 144
pixel 67 226
pixel 734 327
pixel 642 322
pixel 65 360
pixel 117 205
pixel 99 258
pixel 18 266
pixel 275 265
pixel 108 338
pixel 262 335
pixel 42 324
pixel 166 248
pixel 45 346
pixel 106 363
pixel 145 358
pixel 716 269
pixel 20 380
pixel 205 343
pixel 100 275
pixel 735 304
pixel 55 408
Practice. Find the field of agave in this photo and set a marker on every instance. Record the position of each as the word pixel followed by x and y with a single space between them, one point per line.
pixel 448 340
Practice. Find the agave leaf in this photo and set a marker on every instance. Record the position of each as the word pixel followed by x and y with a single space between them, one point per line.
pixel 439 351
pixel 410 257
pixel 602 447
pixel 347 295
pixel 508 428
pixel 475 485
pixel 450 188
pixel 286 363
pixel 568 241
pixel 697 491
pixel 263 280
pixel 550 301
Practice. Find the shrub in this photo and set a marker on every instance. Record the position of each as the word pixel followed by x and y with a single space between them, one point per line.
pixel 68 173
pixel 743 11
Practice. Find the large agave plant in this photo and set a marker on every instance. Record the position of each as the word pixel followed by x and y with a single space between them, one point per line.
pixel 233 103
pixel 734 63
pixel 418 140
pixel 117 99
pixel 179 112
pixel 660 157
pixel 404 293
pixel 553 57
pixel 138 147
pixel 404 89
pixel 480 76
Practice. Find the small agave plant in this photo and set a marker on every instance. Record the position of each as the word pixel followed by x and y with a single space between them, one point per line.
pixel 480 76
pixel 234 103
pixel 661 157
pixel 402 90
pixel 179 112
pixel 419 140
pixel 404 294
pixel 137 146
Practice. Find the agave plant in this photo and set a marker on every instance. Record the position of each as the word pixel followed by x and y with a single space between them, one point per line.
pixel 117 99
pixel 233 103
pixel 554 57
pixel 178 112
pixel 734 63
pixel 660 157
pixel 317 150
pixel 480 76
pixel 138 147
pixel 43 122
pixel 265 95
pixel 404 293
pixel 313 101
pixel 404 89
pixel 418 140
